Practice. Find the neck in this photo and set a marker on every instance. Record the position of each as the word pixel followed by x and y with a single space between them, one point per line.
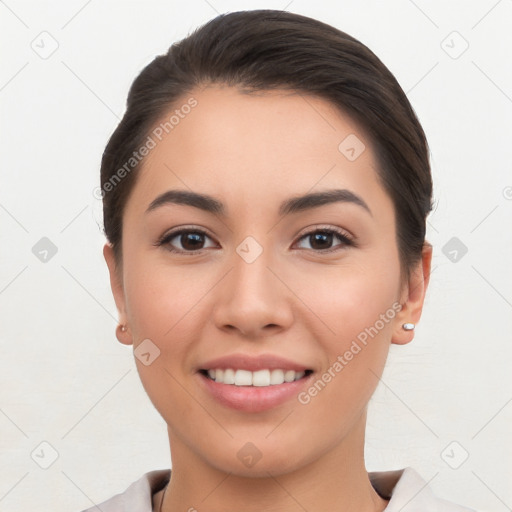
pixel 337 480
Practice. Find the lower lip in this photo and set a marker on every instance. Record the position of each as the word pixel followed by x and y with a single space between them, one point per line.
pixel 253 398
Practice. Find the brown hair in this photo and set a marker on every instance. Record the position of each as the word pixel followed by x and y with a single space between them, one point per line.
pixel 266 49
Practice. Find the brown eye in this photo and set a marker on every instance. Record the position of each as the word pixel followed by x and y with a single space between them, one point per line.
pixel 321 240
pixel 191 241
pixel 324 240
pixel 187 241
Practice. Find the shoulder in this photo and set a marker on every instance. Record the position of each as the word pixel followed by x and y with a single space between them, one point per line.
pixel 138 497
pixel 407 491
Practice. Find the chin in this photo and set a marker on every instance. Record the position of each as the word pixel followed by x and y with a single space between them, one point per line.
pixel 258 460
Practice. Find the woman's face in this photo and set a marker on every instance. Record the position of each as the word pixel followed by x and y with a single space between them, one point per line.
pixel 254 279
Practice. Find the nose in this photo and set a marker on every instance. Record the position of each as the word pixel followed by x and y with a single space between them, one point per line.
pixel 253 299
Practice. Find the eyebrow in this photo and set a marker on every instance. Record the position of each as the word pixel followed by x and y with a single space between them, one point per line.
pixel 290 206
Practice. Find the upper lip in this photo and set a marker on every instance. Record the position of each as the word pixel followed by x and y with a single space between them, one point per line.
pixel 253 363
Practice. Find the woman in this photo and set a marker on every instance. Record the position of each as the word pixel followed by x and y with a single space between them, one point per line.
pixel 265 198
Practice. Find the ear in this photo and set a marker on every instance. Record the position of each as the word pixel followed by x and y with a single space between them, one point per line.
pixel 116 283
pixel 413 296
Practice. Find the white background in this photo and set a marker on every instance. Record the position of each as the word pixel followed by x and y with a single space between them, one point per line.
pixel 65 379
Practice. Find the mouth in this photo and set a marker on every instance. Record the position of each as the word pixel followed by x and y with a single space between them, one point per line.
pixel 259 378
pixel 253 391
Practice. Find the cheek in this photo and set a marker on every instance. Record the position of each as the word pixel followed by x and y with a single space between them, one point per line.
pixel 348 299
pixel 354 309
pixel 162 299
pixel 360 314
pixel 164 306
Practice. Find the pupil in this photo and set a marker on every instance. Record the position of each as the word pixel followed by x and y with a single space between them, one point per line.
pixel 321 240
pixel 191 240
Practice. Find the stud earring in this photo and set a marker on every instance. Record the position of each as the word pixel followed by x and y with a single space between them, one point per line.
pixel 408 327
pixel 123 328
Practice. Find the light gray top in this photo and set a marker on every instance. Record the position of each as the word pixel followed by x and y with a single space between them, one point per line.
pixel 405 488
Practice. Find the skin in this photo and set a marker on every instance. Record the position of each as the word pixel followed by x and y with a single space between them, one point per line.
pixel 295 300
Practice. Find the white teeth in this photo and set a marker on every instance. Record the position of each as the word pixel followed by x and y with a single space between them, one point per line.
pixel 229 376
pixel 289 376
pixel 243 378
pixel 260 378
pixel 276 377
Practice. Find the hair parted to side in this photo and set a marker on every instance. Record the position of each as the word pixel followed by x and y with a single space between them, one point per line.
pixel 268 49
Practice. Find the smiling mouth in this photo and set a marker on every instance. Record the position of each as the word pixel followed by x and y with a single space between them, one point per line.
pixel 259 378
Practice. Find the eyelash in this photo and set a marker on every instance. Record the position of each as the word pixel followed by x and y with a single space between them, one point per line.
pixel 345 239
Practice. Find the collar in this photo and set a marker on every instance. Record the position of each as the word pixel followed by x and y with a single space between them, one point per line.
pixel 405 489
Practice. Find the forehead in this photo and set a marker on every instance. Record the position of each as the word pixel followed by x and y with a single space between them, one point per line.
pixel 259 146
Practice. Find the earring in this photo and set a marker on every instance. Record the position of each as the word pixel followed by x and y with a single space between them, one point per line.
pixel 123 328
pixel 408 327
